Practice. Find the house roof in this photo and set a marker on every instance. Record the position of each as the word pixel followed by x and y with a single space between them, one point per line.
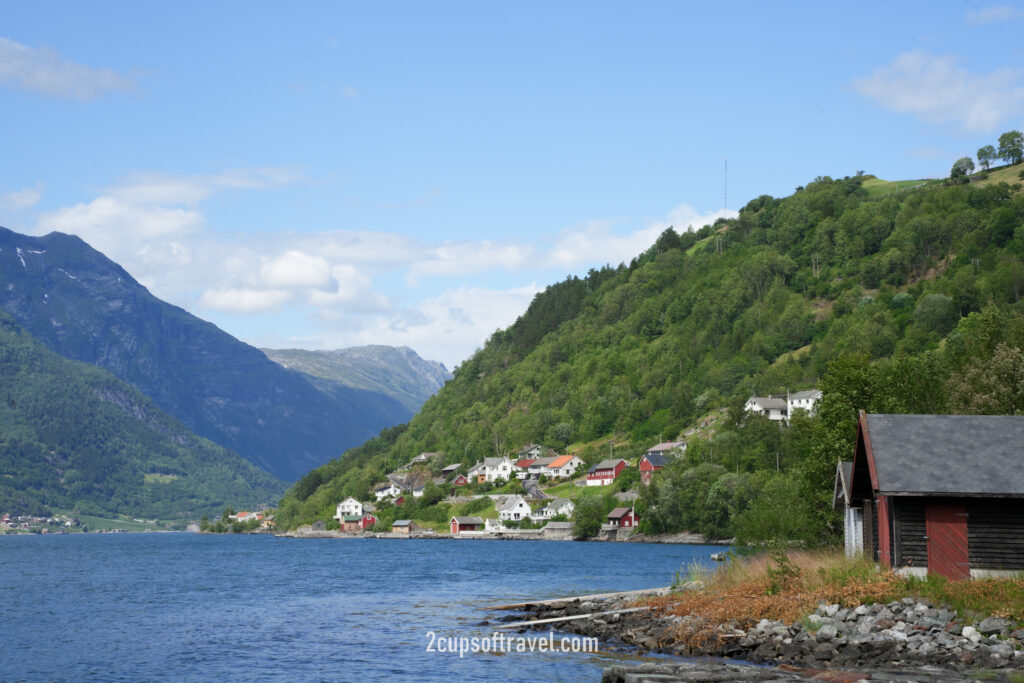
pixel 494 462
pixel 656 459
pixel 561 461
pixel 544 462
pixel 527 449
pixel 666 446
pixel 511 503
pixel 965 455
pixel 559 502
pixel 809 393
pixel 468 520
pixel 769 403
pixel 609 464
pixel 523 463
pixel 451 468
pixel 352 518
pixel 381 487
pixel 402 522
pixel 618 513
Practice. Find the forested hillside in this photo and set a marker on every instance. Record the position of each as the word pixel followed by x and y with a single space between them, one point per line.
pixel 73 437
pixel 807 290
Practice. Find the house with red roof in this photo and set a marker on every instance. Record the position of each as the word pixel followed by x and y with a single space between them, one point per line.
pixel 563 466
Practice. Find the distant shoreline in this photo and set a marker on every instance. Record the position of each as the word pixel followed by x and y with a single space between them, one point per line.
pixel 662 539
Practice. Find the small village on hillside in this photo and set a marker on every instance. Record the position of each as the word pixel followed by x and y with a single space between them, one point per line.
pixel 529 494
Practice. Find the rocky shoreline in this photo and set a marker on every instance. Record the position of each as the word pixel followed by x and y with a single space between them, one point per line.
pixel 903 640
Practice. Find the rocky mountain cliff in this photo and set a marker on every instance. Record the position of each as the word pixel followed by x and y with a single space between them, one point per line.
pixel 85 307
pixel 396 371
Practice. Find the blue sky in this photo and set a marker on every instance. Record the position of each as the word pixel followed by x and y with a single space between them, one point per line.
pixel 328 174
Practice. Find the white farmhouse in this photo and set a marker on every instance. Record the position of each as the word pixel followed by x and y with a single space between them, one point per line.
pixel 514 509
pixel 350 507
pixel 803 400
pixel 772 408
pixel 386 490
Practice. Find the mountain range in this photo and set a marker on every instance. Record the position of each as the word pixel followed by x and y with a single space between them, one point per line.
pixel 85 307
pixel 396 371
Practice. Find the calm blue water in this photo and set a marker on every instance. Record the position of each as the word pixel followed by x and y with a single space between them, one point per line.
pixel 154 607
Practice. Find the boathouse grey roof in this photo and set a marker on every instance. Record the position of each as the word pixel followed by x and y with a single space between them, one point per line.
pixel 962 455
pixel 469 520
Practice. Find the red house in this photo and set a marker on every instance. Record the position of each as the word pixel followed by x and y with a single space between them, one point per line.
pixel 460 480
pixel 605 471
pixel 649 464
pixel 399 500
pixel 460 524
pixel 357 523
pixel 622 517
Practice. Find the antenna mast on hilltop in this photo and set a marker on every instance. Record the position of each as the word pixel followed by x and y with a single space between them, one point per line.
pixel 725 187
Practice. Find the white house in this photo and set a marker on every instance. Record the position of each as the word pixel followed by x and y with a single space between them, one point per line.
pixel 418 492
pixel 563 466
pixel 540 465
pixel 350 507
pixel 514 509
pixel 497 468
pixel 386 490
pixel 803 400
pixel 531 451
pixel 772 408
pixel 477 473
pixel 559 506
pixel 422 458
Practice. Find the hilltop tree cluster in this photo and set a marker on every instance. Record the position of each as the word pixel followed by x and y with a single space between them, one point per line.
pixel 1011 150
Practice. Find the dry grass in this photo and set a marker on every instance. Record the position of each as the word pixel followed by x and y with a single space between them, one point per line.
pixel 788 586
pixel 781 587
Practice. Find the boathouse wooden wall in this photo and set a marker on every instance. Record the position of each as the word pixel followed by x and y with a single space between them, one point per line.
pixel 995 532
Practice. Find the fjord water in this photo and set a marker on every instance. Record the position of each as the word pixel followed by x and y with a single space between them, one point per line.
pixel 144 607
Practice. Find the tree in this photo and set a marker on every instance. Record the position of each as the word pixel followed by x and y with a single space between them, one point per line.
pixel 587 517
pixel 986 155
pixel 962 167
pixel 936 313
pixel 1011 146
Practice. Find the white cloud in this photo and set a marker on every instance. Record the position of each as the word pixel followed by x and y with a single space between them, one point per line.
pixel 297 270
pixel 237 300
pixel 44 71
pixel 448 327
pixel 994 14
pixel 19 200
pixel 109 223
pixel 472 257
pixel 939 91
